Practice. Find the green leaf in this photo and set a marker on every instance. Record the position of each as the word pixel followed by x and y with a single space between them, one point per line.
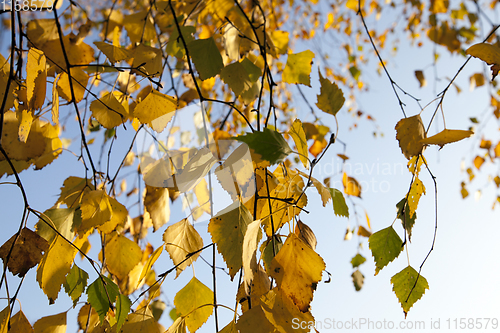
pixel 191 301
pixel 269 144
pixel 405 218
pixel 206 57
pixel 228 230
pixel 331 99
pixel 253 70
pixel 123 304
pixel 403 283
pixel 339 206
pixel 174 45
pixel 61 219
pixel 386 246
pixel 75 284
pixel 236 77
pixel 357 260
pixel 298 68
pixel 98 295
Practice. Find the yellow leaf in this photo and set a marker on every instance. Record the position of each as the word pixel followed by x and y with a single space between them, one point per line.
pixel 41 31
pixel 118 216
pixel 249 250
pixel 108 111
pixel 478 162
pixel 487 53
pixel 280 311
pixel 72 191
pixel 351 186
pixel 78 53
pixel 4 319
pixel 181 239
pixel 154 106
pixel 298 68
pixel 297 269
pixel 149 264
pixel 299 137
pixel 36 79
pixel 140 27
pixel 96 209
pixel 476 80
pixel 79 79
pixel 421 78
pixel 51 324
pixel 306 234
pixel 21 151
pixel 55 265
pixel 26 251
pixel 122 255
pixel 362 231
pixel 55 102
pixel 439 6
pixel 112 52
pixel 195 302
pixel 157 204
pixel 255 321
pixel 414 166
pixel 322 190
pixel 416 191
pixel 25 123
pixel 20 324
pixel 202 195
pixel 446 136
pixel 148 60
pixel 409 133
pixel 179 326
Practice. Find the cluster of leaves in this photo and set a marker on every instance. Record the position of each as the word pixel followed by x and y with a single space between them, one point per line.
pixel 106 67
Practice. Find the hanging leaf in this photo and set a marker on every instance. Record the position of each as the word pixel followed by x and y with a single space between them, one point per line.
pixel 157 204
pixel 339 206
pixel 410 132
pixel 331 98
pixel 252 235
pixel 416 191
pixel 306 234
pixel 206 57
pixel 75 283
pixel 386 246
pixel 195 302
pixel 351 186
pixel 298 68
pixel 108 111
pixel 112 52
pixel 36 79
pixel 60 219
pixel 487 53
pixel 228 230
pixel 358 279
pixel 4 319
pixel 297 270
pixel 51 324
pixel 19 324
pixel 299 137
pixel 100 296
pixel 149 264
pixel 323 191
pixel 446 136
pixel 404 215
pixel 123 304
pixel 357 260
pixel 154 106
pixel 26 252
pixel 122 255
pixel 236 77
pixel 180 240
pixel 403 282
pixel 421 78
pixel 269 144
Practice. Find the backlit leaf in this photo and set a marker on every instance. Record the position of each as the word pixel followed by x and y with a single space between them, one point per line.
pixel 75 283
pixel 339 206
pixel 206 57
pixel 357 260
pixel 421 78
pixel 386 246
pixel 487 53
pixel 179 326
pixel 410 132
pixel 236 77
pixel 154 106
pixel 157 204
pixel 98 294
pixel 323 191
pixel 195 302
pixel 249 250
pixel 446 136
pixel 297 269
pixel 269 144
pixel 122 255
pixel 299 137
pixel 331 98
pixel 140 26
pixel 60 219
pixel 149 264
pixel 19 324
pixel 96 209
pixel 79 80
pixel 404 215
pixel 228 230
pixel 416 191
pixel 403 282
pixel 113 53
pixel 108 111
pixel 351 186
pixel 298 68
pixel 306 234
pixel 26 253
pixel 148 60
pixel 123 304
pixel 36 79
pixel 51 324
pixel 180 240
pixel 4 319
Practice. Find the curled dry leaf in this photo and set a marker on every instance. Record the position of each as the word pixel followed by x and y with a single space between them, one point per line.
pixel 410 132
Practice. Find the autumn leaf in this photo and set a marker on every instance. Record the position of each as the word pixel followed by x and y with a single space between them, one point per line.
pixel 297 269
pixel 340 208
pixel 51 324
pixel 249 250
pixel 149 264
pixel 351 186
pixel 331 98
pixel 75 283
pixel 306 234
pixel 26 252
pixel 357 260
pixel 195 302
pixel 421 78
pixel 206 57
pixel 147 60
pixel 4 319
pixel 299 137
pixel 157 204
pixel 122 255
pixel 358 279
pixel 404 283
pixel 155 107
pixel 79 81
pixel 96 209
pixel 404 215
pixel 100 294
pixel 410 132
pixel 386 246
pixel 269 144
pixel 416 191
pixel 108 111
pixel 323 191
pixel 180 240
pixel 446 136
pixel 236 77
pixel 488 53
pixel 61 219
pixel 228 230
pixel 112 52
pixel 19 324
pixel 139 26
pixel 36 77
pixel 298 68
